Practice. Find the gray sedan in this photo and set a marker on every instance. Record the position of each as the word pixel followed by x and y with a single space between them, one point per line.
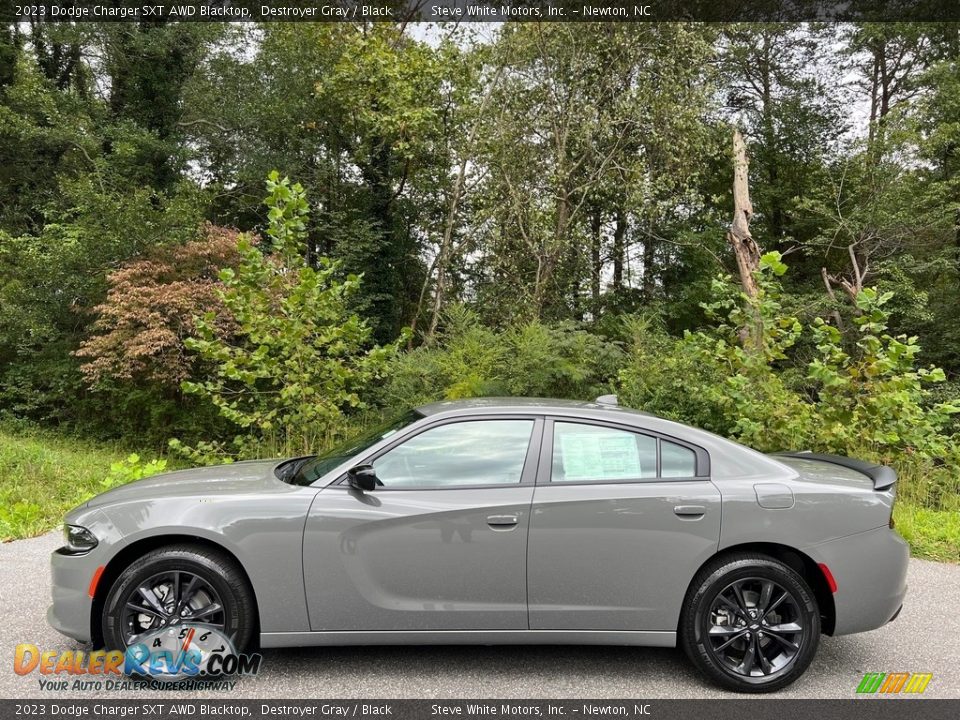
pixel 500 521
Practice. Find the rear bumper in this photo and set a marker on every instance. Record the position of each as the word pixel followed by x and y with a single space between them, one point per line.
pixel 870 569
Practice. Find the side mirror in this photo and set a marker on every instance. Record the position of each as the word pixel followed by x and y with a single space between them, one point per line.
pixel 362 477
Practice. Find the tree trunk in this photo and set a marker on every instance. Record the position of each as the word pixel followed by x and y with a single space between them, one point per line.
pixel 596 264
pixel 619 250
pixel 745 249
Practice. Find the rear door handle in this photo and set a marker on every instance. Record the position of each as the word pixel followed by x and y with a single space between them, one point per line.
pixel 502 521
pixel 689 510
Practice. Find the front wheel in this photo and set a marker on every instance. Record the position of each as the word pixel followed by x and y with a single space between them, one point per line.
pixel 179 585
pixel 750 623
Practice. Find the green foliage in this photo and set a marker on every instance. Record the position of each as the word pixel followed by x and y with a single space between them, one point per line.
pixel 669 377
pixel 874 400
pixel 132 468
pixel 534 359
pixel 752 335
pixel 298 359
pixel 864 397
pixel 45 474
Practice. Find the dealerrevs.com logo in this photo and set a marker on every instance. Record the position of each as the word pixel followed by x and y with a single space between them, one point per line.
pixel 180 656
pixel 902 683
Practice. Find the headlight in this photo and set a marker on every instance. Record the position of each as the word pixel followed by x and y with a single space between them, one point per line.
pixel 78 539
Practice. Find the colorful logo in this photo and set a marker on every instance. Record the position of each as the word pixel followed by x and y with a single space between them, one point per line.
pixel 894 683
pixel 173 653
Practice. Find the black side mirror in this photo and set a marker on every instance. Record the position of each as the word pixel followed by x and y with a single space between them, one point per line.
pixel 362 477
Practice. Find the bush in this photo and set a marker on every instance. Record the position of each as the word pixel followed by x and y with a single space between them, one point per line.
pixel 531 359
pixel 861 396
pixel 297 359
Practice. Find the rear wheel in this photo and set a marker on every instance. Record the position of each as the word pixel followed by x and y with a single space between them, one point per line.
pixel 750 623
pixel 175 585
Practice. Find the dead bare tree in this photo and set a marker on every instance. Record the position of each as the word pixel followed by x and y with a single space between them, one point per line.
pixel 745 248
pixel 852 284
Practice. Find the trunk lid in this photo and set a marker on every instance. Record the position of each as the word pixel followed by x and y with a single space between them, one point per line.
pixel 837 469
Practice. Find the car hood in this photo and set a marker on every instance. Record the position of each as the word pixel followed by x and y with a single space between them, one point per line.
pixel 241 477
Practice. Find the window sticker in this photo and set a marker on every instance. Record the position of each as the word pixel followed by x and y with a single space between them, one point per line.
pixel 590 455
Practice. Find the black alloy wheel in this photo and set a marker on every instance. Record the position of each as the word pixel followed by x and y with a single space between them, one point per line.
pixel 750 623
pixel 756 628
pixel 176 585
pixel 168 599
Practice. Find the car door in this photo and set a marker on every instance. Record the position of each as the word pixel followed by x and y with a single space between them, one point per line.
pixel 621 520
pixel 440 545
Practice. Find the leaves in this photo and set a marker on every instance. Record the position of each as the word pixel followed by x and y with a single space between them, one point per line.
pixel 297 359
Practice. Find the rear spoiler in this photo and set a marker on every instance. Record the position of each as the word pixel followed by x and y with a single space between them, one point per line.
pixel 883 476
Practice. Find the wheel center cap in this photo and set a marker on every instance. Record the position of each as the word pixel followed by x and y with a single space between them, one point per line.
pixel 174 620
pixel 755 626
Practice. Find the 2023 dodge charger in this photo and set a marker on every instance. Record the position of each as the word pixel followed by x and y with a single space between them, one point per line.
pixel 500 521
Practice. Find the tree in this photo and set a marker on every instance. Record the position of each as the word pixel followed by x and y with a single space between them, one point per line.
pixel 297 358
pixel 139 332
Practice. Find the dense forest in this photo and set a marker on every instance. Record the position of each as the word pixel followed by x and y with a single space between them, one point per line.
pixel 253 239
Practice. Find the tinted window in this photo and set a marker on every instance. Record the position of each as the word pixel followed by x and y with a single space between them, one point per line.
pixel 482 452
pixel 676 460
pixel 583 453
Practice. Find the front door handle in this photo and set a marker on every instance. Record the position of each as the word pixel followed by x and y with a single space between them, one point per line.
pixel 502 521
pixel 689 510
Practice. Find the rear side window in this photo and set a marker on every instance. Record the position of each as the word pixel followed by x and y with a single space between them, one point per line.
pixel 677 460
pixel 588 453
pixel 591 453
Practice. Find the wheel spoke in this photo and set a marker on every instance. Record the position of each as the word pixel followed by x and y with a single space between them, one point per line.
pixel 205 625
pixel 766 667
pixel 186 596
pixel 787 628
pixel 725 630
pixel 733 606
pixel 783 641
pixel 741 602
pixel 152 600
pixel 204 612
pixel 766 590
pixel 144 609
pixel 729 642
pixel 776 603
pixel 748 659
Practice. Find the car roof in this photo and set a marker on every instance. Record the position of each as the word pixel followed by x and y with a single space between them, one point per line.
pixel 522 404
pixel 727 458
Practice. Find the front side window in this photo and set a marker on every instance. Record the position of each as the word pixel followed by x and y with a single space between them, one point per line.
pixel 591 453
pixel 480 452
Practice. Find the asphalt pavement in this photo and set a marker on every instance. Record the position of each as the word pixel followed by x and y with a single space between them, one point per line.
pixel 924 638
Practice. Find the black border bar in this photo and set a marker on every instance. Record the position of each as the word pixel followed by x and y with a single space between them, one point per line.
pixel 464 11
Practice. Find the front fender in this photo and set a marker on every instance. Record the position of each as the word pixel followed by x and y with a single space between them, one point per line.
pixel 264 534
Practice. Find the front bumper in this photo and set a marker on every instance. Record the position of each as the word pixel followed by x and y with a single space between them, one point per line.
pixel 71 575
pixel 871 573
pixel 70 582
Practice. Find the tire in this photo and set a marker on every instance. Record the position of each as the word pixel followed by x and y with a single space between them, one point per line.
pixel 728 636
pixel 220 581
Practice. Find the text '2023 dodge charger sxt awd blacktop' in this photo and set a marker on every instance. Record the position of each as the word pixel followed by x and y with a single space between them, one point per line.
pixel 500 521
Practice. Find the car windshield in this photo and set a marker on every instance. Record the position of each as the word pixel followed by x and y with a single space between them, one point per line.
pixel 318 466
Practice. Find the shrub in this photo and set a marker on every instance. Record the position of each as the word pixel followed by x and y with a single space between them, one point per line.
pixel 141 327
pixel 532 359
pixel 297 359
